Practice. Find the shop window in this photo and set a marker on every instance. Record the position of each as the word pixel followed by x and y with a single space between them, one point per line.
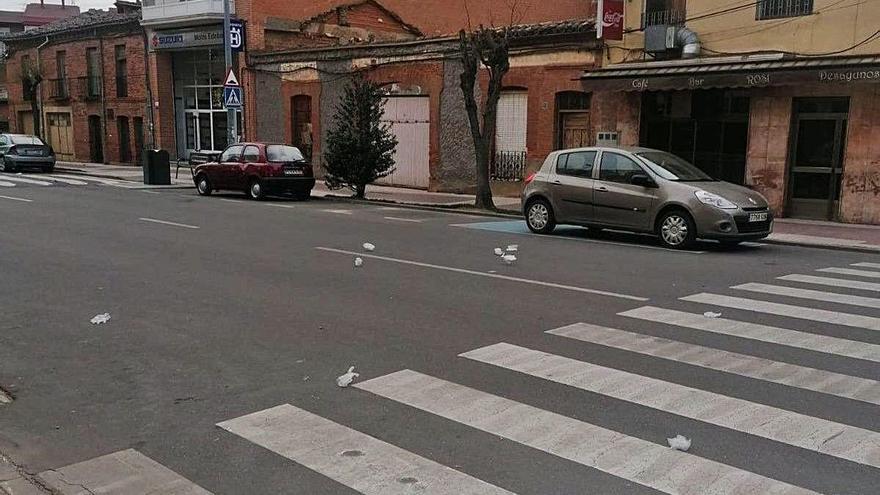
pixel 776 9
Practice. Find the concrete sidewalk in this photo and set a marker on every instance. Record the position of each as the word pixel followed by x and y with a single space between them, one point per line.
pixel 865 238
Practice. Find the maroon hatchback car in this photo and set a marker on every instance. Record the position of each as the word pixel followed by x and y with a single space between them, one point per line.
pixel 258 169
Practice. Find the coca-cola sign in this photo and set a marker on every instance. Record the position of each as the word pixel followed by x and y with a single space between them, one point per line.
pixel 609 19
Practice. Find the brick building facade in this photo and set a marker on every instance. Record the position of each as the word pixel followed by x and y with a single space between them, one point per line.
pixel 92 101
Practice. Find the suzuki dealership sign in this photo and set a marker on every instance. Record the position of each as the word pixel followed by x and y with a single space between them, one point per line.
pixel 193 38
pixel 609 20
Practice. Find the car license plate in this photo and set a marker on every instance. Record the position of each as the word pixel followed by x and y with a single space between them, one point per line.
pixel 293 171
pixel 32 152
pixel 758 217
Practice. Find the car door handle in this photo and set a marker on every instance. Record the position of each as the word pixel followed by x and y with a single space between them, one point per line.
pixel 601 189
pixel 556 183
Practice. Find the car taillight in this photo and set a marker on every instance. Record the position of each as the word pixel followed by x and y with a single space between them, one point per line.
pixel 531 177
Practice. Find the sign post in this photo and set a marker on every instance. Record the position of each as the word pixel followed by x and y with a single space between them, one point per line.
pixel 231 120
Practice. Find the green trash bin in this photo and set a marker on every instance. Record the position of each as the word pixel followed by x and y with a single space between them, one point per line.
pixel 157 168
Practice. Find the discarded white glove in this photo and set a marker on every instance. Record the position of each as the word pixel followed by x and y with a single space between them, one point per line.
pixel 509 258
pixel 513 248
pixel 680 442
pixel 709 314
pixel 499 252
pixel 369 247
pixel 101 319
pixel 346 379
pixel 358 262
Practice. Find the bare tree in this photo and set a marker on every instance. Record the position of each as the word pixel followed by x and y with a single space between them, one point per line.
pixel 31 79
pixel 489 48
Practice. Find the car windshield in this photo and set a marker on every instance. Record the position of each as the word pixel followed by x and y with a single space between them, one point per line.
pixel 671 167
pixel 25 140
pixel 281 153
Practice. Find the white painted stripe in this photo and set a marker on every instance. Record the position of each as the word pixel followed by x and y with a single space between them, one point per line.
pixel 398 219
pixel 6 184
pixel 803 313
pixel 338 212
pixel 868 265
pixel 12 198
pixel 821 381
pixel 173 224
pixel 799 430
pixel 72 182
pixel 633 459
pixel 489 275
pixel 815 295
pixel 850 271
pixel 358 461
pixel 762 333
pixel 25 180
pixel 100 180
pixel 832 282
pixel 127 471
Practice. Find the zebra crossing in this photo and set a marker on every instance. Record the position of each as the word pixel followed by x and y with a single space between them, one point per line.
pixel 49 180
pixel 373 465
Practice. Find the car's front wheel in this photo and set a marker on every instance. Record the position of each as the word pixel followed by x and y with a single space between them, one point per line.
pixel 203 185
pixel 677 229
pixel 7 165
pixel 255 190
pixel 539 216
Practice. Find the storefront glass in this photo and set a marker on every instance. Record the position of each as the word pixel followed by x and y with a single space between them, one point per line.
pixel 198 87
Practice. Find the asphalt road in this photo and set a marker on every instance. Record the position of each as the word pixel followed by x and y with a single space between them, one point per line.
pixel 223 308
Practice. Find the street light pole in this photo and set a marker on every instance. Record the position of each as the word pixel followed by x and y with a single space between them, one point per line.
pixel 231 120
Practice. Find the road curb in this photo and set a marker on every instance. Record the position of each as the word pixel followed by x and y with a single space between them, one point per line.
pixel 458 209
pixel 848 248
pixel 84 173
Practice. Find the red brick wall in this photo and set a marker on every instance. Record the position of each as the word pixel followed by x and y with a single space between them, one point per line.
pixel 767 156
pixel 163 101
pixel 368 16
pixel 860 190
pixel 130 106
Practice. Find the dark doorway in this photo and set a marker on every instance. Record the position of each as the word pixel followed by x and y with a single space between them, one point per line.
pixel 709 128
pixel 96 144
pixel 301 125
pixel 573 119
pixel 818 142
pixel 124 136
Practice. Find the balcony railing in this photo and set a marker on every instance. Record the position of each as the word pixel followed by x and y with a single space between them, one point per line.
pixel 90 87
pixel 170 11
pixel 59 89
pixel 775 9
pixel 666 17
pixel 509 166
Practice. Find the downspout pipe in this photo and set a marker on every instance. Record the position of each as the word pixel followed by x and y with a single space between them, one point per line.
pixel 689 42
pixel 39 95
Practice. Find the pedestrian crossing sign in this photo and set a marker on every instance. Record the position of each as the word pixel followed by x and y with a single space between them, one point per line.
pixel 232 96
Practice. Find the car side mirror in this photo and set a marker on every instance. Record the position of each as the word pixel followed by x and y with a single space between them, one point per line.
pixel 642 180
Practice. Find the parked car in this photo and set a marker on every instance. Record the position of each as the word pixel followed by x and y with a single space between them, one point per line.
pixel 257 169
pixel 20 151
pixel 642 190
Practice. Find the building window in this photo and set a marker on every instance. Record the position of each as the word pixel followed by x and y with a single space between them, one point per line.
pixel 93 73
pixel 509 159
pixel 59 84
pixel 775 9
pixel 663 12
pixel 121 72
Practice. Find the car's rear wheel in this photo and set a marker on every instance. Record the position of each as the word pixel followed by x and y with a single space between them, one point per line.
pixel 539 216
pixel 677 230
pixel 203 185
pixel 255 190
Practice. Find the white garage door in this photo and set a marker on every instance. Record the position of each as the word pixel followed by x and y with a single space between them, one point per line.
pixel 409 117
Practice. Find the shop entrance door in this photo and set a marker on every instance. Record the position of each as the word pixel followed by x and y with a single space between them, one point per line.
pixel 818 144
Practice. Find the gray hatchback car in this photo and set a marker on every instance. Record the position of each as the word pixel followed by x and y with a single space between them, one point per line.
pixel 642 190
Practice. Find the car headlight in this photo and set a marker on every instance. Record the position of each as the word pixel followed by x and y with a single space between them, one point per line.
pixel 715 200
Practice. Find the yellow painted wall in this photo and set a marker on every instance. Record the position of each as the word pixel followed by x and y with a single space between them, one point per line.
pixel 834 25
